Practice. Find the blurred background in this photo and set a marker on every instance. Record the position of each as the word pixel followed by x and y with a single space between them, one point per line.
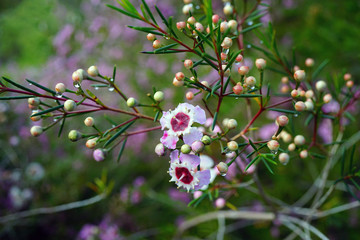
pixel 46 41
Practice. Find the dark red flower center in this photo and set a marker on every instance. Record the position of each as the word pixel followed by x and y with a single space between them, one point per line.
pixel 180 122
pixel 184 175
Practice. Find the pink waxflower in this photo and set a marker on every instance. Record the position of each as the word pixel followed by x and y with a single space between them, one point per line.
pixel 179 121
pixel 184 171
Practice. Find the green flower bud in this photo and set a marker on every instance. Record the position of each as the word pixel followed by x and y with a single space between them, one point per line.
pixel 185 149
pixel 206 140
pixel 69 105
pixel 131 102
pixel 159 96
pixel 74 135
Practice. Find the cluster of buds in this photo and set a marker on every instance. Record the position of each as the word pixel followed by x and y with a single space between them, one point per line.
pixel 348 80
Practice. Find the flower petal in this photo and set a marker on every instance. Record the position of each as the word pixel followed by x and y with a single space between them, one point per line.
pixel 206 162
pixel 164 120
pixel 199 115
pixel 193 135
pixel 192 160
pixel 204 177
pixel 174 155
pixel 169 140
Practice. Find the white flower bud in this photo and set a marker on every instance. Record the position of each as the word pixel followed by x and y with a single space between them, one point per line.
pixel 309 94
pixel 231 124
pixel 228 9
pixel 309 62
pixel 69 105
pixel 304 154
pixel 294 93
pixel 159 96
pixel 285 80
pixel 93 71
pixel 34 101
pixel 284 158
pixel 299 140
pixel 223 26
pixel 350 84
pixel 151 37
pixel 320 85
pixel 199 27
pixel 300 106
pixel 299 75
pixel 227 43
pixel 232 146
pixel 188 8
pixel 206 140
pixel 327 98
pixel 309 105
pixel 273 145
pixel 178 83
pixel 89 121
pixel 260 63
pixel 156 44
pixel 291 147
pixel 188 64
pixel 282 120
pixel 79 75
pixel 91 143
pixel 36 131
pixel 232 24
pixel 250 81
pixel 160 149
pixel 227 72
pixel 222 167
pixel 60 88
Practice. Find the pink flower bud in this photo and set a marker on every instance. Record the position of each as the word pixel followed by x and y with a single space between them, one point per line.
pixel 304 154
pixel 350 84
pixel 309 94
pixel 273 145
pixel 309 62
pixel 299 140
pixel 284 158
pixel 239 58
pixel 199 27
pixel 282 120
pixel 285 89
pixel 197 146
pixel 299 75
pixel 91 143
pixel 188 64
pixel 160 149
pixel 260 63
pixel 302 93
pixel 227 43
pixel 99 155
pixel 156 44
pixel 238 89
pixel 179 76
pixel 215 19
pixel 191 20
pixel 243 70
pixel 220 203
pixel 189 96
pixel 285 80
pixel 300 106
pixel 180 25
pixel 327 98
pixel 223 26
pixel 294 93
pixel 197 194
pixel 347 76
pixel 223 56
pixel 178 83
pixel 151 37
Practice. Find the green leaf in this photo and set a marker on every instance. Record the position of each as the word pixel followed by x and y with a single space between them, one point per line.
pixel 48 110
pixel 204 38
pixel 214 121
pixel 156 116
pixel 41 87
pixel 196 201
pixel 165 48
pixel 251 28
pixel 163 52
pixel 61 127
pixel 93 96
pixel 232 60
pixel 320 68
pixel 14 97
pixel 317 155
pixel 146 29
pixel 349 116
pixel 208 12
pixel 121 150
pixel 214 88
pixel 114 73
pixel 267 166
pixel 126 4
pixel 149 11
pixel 165 21
pixel 116 135
pixel 244 95
pixel 342 163
pixel 253 145
pixel 252 162
pixel 19 86
pixel 283 110
pixel 308 119
pixel 124 12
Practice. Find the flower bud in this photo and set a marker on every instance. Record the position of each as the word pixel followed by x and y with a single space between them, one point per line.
pixel 93 71
pixel 69 105
pixel 78 75
pixel 60 88
pixel 231 124
pixel 299 75
pixel 304 154
pixel 99 155
pixel 223 168
pixel 199 27
pixel 226 72
pixel 180 25
pixel 206 140
pixel 189 96
pixel 205 83
pixel 91 143
pixel 285 89
pixel 309 105
pixel 228 9
pixel 291 147
pixel 260 63
pixel 223 56
pixel 232 24
pixel 159 96
pixel 296 68
pixel 284 158
pixel 347 76
pixel 309 62
pixel 131 102
pixel 327 98
pixel 309 94
pixel 156 44
pixel 238 89
pixel 239 58
pixel 197 194
pixel 286 137
pixel 185 149
pixel 188 64
pixel 191 20
pixel 300 106
pixel 188 8
pixel 350 84
pixel 282 120
pixel 223 26
pixel 179 76
pixel 220 203
pixel 232 146
pixel 320 85
pixel 285 80
pixel 74 135
pixel 89 121
pixel 273 145
pixel 151 37
pixel 34 101
pixel 35 118
pixel 178 83
pixel 187 1
pixel 299 140
pixel 250 81
pixel 36 131
pixel 225 122
pixel 215 18
pixel 294 93
pixel 160 149
pixel 227 43
pixel 197 146
pixel 243 70
pixel 230 155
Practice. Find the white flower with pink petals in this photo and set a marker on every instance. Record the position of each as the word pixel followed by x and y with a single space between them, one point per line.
pixel 178 123
pixel 184 171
